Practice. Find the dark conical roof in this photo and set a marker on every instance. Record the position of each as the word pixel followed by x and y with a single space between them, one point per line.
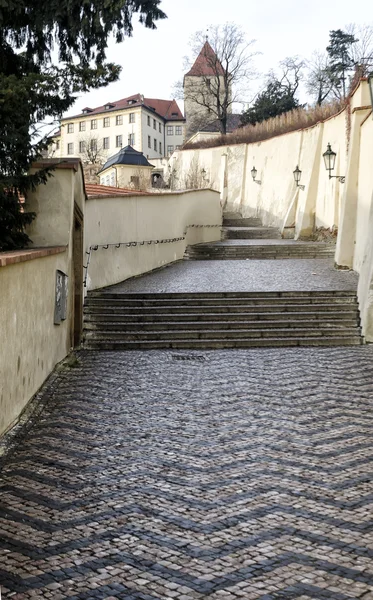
pixel 127 156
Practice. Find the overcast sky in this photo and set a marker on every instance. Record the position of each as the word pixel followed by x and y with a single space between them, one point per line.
pixel 152 61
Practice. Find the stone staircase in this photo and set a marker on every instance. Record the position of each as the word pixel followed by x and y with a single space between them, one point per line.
pixel 122 321
pixel 244 239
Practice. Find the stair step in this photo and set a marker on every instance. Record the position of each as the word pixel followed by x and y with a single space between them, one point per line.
pixel 207 295
pixel 132 327
pixel 224 334
pixel 247 222
pixel 164 310
pixel 251 233
pixel 253 301
pixel 222 344
pixel 215 318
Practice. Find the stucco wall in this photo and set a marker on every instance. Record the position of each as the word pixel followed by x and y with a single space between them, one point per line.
pixel 277 200
pixel 31 344
pixel 145 218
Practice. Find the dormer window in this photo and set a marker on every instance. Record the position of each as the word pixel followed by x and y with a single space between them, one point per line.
pixel 87 110
pixel 108 106
pixel 132 101
pixel 175 114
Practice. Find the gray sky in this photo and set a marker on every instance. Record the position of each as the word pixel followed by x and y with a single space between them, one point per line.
pixel 152 61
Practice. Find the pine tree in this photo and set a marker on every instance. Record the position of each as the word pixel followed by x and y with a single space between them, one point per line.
pixel 34 89
pixel 340 59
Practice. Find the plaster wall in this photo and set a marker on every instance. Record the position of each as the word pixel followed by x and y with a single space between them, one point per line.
pixel 277 200
pixel 364 226
pixel 330 191
pixel 31 345
pixel 143 218
pixel 120 176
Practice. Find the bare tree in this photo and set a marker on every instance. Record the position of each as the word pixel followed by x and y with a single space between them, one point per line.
pixel 319 83
pixel 91 149
pixel 362 50
pixel 219 77
pixel 291 74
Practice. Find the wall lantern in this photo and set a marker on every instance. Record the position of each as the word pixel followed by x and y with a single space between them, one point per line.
pixel 204 173
pixel 254 173
pixel 370 83
pixel 297 175
pixel 329 159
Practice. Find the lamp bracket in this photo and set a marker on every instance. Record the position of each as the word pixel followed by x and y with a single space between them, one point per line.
pixel 341 178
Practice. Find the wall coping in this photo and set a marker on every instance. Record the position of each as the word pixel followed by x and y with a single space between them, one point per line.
pixel 148 195
pixel 18 256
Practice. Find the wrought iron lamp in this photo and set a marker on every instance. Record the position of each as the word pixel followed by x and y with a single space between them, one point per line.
pixel 254 173
pixel 297 175
pixel 329 159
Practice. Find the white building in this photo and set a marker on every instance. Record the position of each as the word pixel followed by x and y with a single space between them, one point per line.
pixel 152 126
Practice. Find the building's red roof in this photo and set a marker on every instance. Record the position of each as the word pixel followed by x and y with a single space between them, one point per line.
pixel 206 63
pixel 168 109
pixel 94 189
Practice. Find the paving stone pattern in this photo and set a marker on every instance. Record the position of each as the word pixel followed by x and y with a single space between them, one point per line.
pixel 186 475
pixel 242 276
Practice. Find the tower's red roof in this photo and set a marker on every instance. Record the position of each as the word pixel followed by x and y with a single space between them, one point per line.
pixel 206 63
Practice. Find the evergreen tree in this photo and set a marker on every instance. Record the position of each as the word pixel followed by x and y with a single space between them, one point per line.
pixel 273 101
pixel 340 59
pixel 33 88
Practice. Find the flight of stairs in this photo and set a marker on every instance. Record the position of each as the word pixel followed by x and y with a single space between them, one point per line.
pixel 140 321
pixel 247 239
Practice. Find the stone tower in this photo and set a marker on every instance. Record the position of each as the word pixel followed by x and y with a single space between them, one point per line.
pixel 202 85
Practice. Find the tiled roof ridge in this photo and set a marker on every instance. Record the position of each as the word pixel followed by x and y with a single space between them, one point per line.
pixel 140 101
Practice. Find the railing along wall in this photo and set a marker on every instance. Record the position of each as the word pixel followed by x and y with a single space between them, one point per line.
pixel 95 247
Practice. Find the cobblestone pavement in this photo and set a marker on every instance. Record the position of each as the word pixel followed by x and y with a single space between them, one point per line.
pixel 172 475
pixel 243 276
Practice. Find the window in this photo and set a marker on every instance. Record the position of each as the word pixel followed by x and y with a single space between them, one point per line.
pixel 58 145
pixel 70 128
pixel 155 144
pixel 149 141
pixel 119 120
pixel 94 124
pixel 102 180
pixel 170 149
pixel 160 147
pixel 170 130
pixel 149 121
pixel 112 179
pixel 70 148
pixel 131 118
pixel 160 127
pixel 178 130
pixel 82 126
pixel 106 143
pixel 131 139
pixel 154 124
pixel 135 180
pixel 106 121
pixel 94 145
pixel 82 147
pixel 119 141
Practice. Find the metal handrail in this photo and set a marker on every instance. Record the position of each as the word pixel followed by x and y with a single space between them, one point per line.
pixel 95 247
